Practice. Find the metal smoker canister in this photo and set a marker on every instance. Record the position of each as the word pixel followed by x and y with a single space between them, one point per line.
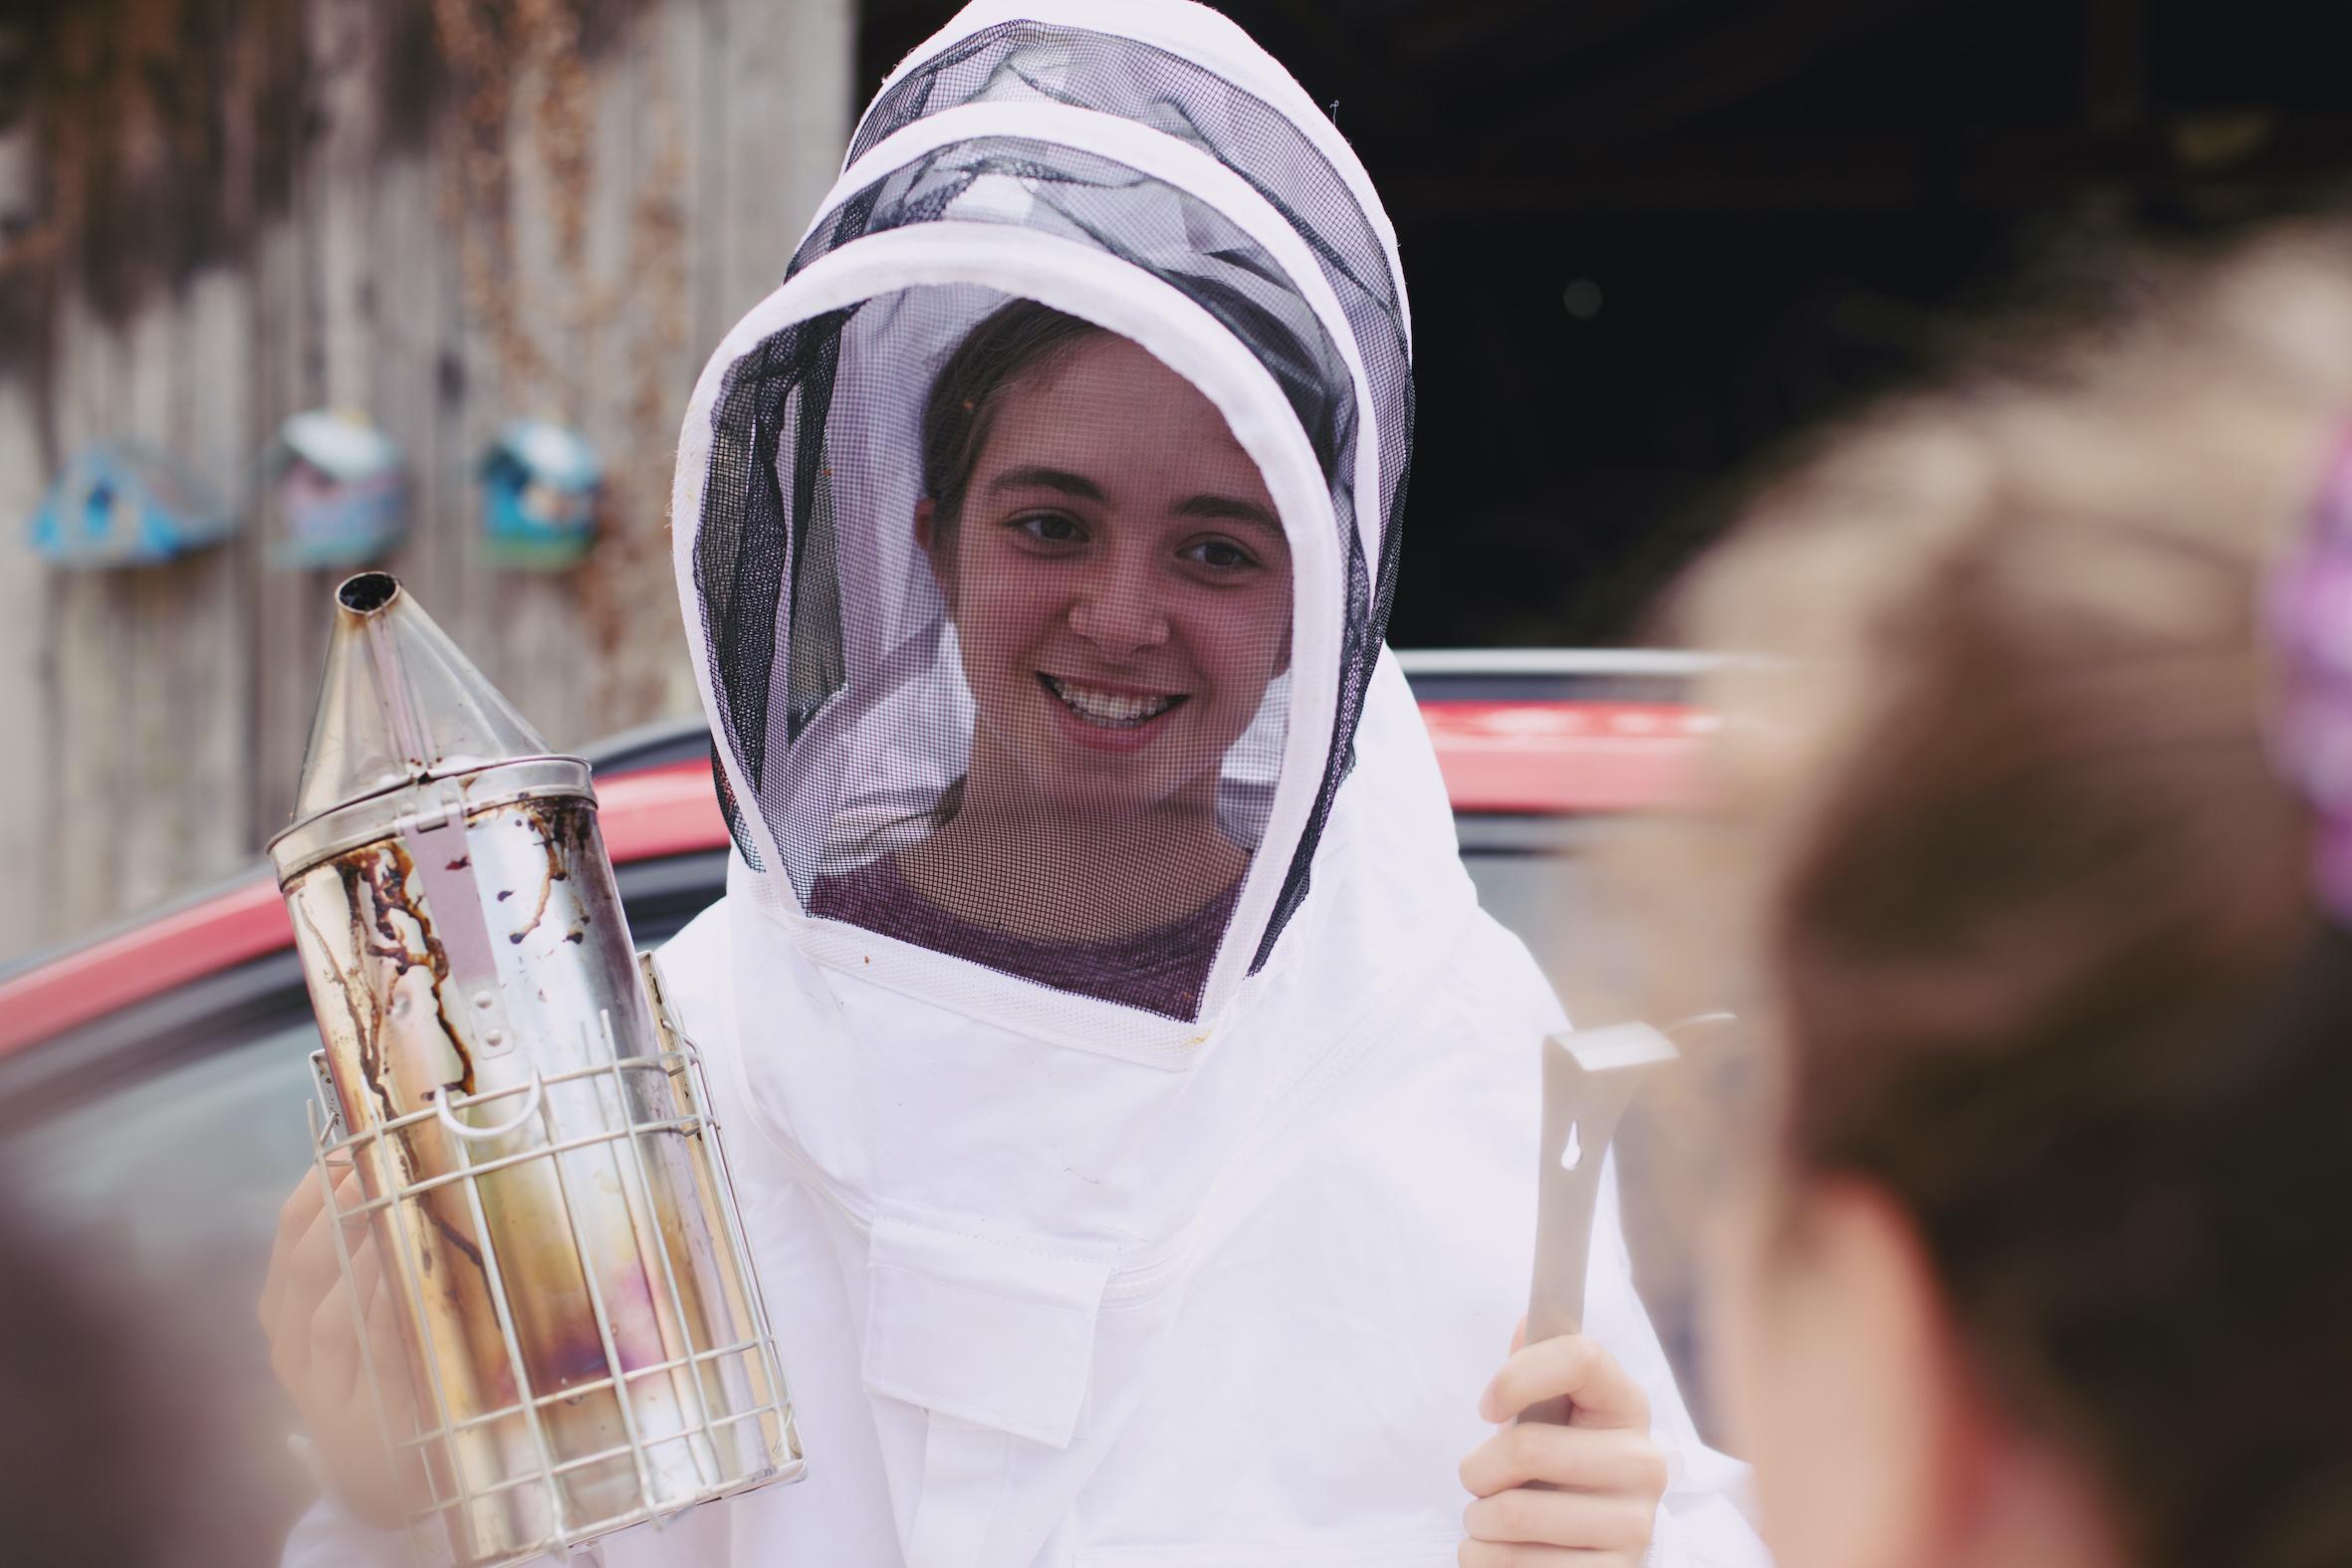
pixel 586 1344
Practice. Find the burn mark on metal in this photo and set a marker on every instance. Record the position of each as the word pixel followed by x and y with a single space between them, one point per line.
pixel 449 1234
pixel 568 1359
pixel 561 829
pixel 363 1018
pixel 383 870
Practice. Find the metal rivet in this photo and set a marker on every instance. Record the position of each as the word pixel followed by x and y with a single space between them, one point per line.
pixel 493 1036
pixel 485 1001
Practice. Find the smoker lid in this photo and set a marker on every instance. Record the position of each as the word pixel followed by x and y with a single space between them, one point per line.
pixel 400 704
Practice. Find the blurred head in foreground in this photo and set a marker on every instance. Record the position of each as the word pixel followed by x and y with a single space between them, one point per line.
pixel 2051 1258
pixel 109 1457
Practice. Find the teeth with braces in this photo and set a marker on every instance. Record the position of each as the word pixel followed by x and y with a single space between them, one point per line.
pixel 1113 710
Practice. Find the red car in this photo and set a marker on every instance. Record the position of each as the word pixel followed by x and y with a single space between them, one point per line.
pixel 152 1080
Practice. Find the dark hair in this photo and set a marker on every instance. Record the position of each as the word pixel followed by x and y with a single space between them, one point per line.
pixel 1012 343
pixel 2034 915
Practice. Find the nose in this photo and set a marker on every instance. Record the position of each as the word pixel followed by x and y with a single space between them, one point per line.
pixel 1118 609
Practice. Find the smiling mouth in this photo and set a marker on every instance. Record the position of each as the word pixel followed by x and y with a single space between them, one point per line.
pixel 1109 710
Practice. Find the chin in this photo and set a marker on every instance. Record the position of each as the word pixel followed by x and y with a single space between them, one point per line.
pixel 1101 799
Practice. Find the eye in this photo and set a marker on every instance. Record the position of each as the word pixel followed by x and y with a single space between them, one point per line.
pixel 1051 528
pixel 1219 554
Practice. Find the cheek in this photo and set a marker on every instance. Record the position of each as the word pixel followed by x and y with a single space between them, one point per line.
pixel 1240 641
pixel 1008 606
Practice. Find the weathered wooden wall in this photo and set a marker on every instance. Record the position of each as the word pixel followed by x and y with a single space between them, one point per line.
pixel 569 232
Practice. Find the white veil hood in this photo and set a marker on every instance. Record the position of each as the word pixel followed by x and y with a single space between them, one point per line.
pixel 1066 1275
pixel 1145 166
pixel 976 1135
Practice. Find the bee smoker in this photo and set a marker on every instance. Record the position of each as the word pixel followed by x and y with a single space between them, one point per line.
pixel 585 1342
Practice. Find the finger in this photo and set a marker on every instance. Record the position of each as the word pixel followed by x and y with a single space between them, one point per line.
pixel 333 1332
pixel 1561 1518
pixel 381 1290
pixel 317 1261
pixel 368 1301
pixel 294 1216
pixel 1514 1554
pixel 1573 1459
pixel 301 1280
pixel 302 1206
pixel 391 1365
pixel 344 1274
pixel 288 1294
pixel 1572 1367
pixel 309 1271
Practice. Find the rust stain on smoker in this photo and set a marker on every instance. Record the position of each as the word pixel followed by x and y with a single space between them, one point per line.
pixel 364 1020
pixel 547 889
pixel 440 961
pixel 383 870
pixel 562 827
pixel 376 889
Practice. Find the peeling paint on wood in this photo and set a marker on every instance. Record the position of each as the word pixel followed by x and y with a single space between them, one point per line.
pixel 652 162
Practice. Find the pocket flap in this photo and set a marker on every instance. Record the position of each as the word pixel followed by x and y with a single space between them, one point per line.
pixel 981 1329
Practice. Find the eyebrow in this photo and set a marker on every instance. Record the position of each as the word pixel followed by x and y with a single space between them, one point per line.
pixel 1228 509
pixel 1061 479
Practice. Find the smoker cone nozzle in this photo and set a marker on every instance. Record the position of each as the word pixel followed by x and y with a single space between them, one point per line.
pixel 400 704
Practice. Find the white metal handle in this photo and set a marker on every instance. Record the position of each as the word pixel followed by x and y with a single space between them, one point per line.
pixel 531 1098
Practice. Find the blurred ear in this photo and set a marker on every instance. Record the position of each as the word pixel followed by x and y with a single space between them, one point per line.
pixel 1858 1403
pixel 1910 1400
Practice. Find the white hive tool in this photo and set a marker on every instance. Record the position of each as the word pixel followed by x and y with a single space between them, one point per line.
pixel 1589 1078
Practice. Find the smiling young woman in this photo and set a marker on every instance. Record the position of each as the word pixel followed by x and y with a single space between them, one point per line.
pixel 1121 593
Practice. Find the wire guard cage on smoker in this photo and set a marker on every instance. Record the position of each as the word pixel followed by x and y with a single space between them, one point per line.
pixel 545 1195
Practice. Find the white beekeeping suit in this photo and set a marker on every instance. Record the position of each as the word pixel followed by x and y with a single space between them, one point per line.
pixel 1134 1113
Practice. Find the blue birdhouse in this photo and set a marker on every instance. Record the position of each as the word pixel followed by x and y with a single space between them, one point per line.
pixel 343 488
pixel 120 504
pixel 540 484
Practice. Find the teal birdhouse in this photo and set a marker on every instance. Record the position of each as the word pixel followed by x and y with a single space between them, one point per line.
pixel 341 487
pixel 120 504
pixel 539 487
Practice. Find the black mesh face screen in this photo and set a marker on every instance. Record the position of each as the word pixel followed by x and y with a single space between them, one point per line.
pixel 1174 236
pixel 1108 74
pixel 1033 716
pixel 998 610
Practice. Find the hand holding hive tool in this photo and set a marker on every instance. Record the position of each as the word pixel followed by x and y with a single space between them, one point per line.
pixel 1590 1076
pixel 543 1184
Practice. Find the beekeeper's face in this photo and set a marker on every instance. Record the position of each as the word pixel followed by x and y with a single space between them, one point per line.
pixel 1120 582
